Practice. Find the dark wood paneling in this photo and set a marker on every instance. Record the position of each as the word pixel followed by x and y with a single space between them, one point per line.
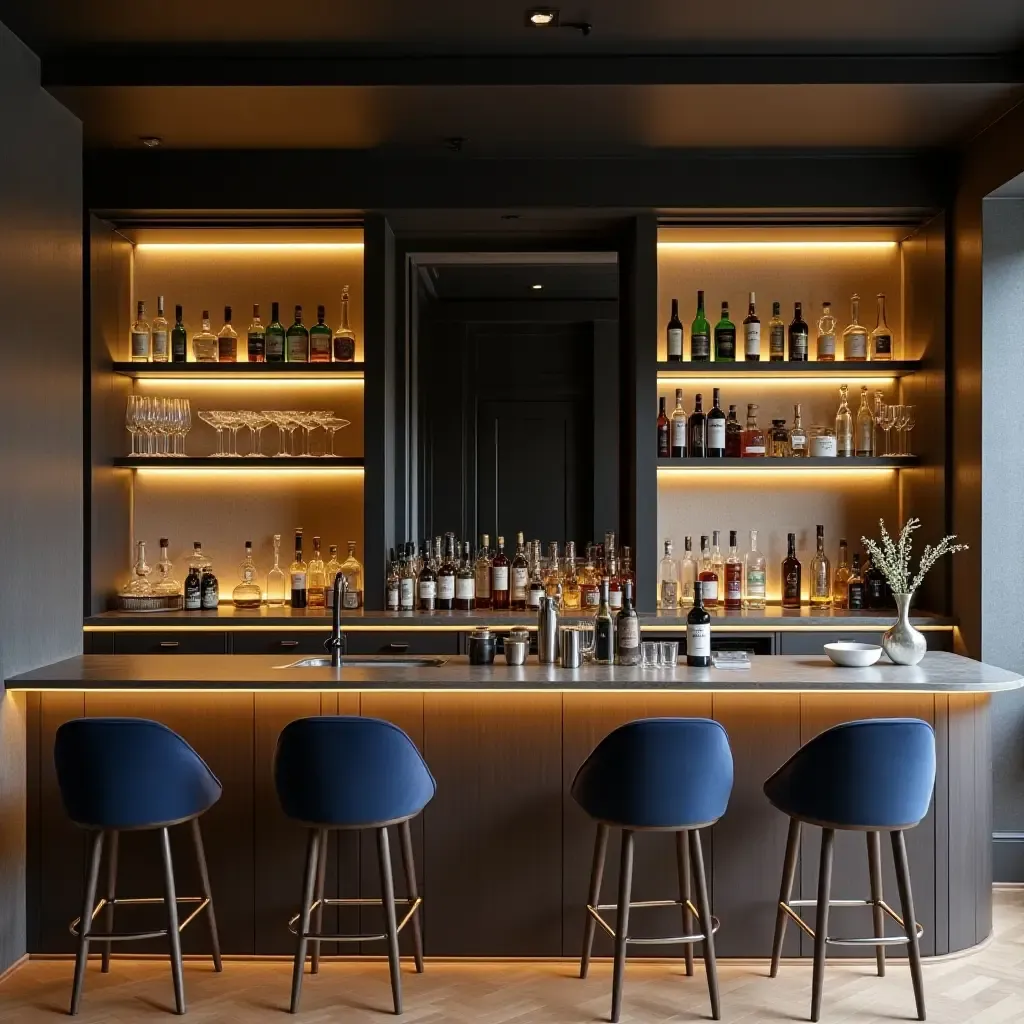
pixel 199 642
pixel 492 851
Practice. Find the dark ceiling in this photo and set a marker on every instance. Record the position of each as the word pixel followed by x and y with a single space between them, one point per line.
pixel 501 281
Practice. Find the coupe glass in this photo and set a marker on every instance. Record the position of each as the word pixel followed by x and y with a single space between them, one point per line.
pixel 292 420
pixel 213 419
pixel 233 422
pixel 332 424
pixel 256 421
pixel 275 417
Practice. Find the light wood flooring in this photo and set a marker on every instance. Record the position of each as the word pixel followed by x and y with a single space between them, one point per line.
pixel 986 987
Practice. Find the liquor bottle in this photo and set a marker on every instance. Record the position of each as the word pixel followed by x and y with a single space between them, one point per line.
pixel 320 339
pixel 161 334
pixel 733 577
pixel 247 593
pixel 844 425
pixel 166 584
pixel 535 589
pixel 141 336
pixel 204 344
pixel 688 570
pixel 791 576
pixel 855 336
pixel 674 333
pixel 798 336
pixel 614 583
pixel 752 333
pixel 874 586
pixel 392 583
pixel 664 446
pixel 209 589
pixel 499 577
pixel 465 582
pixel 627 630
pixel 754 575
pixel 821 575
pixel 733 434
pixel 718 562
pixel 572 592
pixel 700 334
pixel 590 583
pixel 841 580
pixel 715 429
pixel 677 429
pixel 778 440
pixel 626 567
pixel 707 578
pixel 604 630
pixel 407 590
pixel 752 441
pixel 275 335
pixel 865 444
pixel 668 581
pixel 855 585
pixel 316 581
pixel 296 340
pixel 482 570
pixel 698 631
pixel 227 340
pixel 297 575
pixel 193 586
pixel 179 339
pixel 345 337
pixel 826 335
pixel 776 335
pixel 553 578
pixel 256 337
pixel 426 587
pixel 797 435
pixel 446 576
pixel 725 338
pixel 276 578
pixel 334 567
pixel 697 448
pixel 881 336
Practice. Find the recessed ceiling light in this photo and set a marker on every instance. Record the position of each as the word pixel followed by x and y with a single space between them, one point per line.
pixel 537 287
pixel 542 17
pixel 150 141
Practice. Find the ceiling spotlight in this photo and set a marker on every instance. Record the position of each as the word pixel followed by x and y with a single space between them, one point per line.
pixel 543 17
pixel 150 141
pixel 537 287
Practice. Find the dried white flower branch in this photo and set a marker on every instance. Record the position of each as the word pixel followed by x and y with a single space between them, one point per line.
pixel 893 558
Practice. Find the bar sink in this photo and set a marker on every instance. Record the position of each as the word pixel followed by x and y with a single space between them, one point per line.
pixel 371 661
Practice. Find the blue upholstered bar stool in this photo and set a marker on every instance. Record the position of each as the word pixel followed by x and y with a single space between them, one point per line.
pixel 656 775
pixel 348 772
pixel 871 776
pixel 129 775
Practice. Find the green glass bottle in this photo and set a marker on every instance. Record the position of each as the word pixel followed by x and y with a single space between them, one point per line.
pixel 274 335
pixel 297 340
pixel 320 339
pixel 179 339
pixel 700 334
pixel 725 338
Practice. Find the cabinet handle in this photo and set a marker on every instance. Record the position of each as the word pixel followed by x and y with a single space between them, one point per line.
pixel 289 643
pixel 398 647
pixel 168 643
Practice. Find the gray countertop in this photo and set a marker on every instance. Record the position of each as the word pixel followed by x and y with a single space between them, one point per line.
pixel 938 673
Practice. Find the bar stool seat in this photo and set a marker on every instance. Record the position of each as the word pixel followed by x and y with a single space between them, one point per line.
pixel 131 774
pixel 350 772
pixel 872 776
pixel 656 775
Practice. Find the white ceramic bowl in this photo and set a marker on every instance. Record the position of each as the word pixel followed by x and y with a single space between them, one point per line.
pixel 850 655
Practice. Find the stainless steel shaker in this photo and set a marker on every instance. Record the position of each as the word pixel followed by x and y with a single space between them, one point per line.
pixel 547 630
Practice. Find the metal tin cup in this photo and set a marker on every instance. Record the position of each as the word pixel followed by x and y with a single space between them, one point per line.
pixel 571 647
pixel 481 647
pixel 516 651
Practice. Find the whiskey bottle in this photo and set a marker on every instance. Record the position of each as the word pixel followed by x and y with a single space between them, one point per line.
pixel 776 335
pixel 614 583
pixel 718 562
pixel 590 584
pixel 247 593
pixel 520 576
pixel 881 336
pixel 754 574
pixel 446 576
pixel 752 334
pixel 826 335
pixel 334 567
pixel 700 334
pixel 733 577
pixel 698 631
pixel 715 429
pixel 688 570
pixel 821 575
pixel 316 583
pixel 668 581
pixel 604 630
pixel 392 583
pixel 798 336
pixel 536 589
pixel 297 340
pixel 482 570
pixel 677 428
pixel 865 446
pixel 627 630
pixel 161 334
pixel 345 337
pixel 275 335
pixel 407 585
pixel 553 578
pixel 844 425
pixel 320 339
pixel 707 578
pixel 227 340
pixel 875 595
pixel 841 580
pixel 427 587
pixel 276 577
pixel 725 338
pixel 674 333
pixel 855 336
pixel 752 440
pixel 209 589
pixel 797 435
pixel 855 585
pixel 664 445
pixel 297 575
pixel 572 594
pixel 204 344
pixel 465 583
pixel 696 430
pixel 499 578
pixel 256 337
pixel 353 570
pixel 733 434
pixel 141 336
pixel 179 339
pixel 791 576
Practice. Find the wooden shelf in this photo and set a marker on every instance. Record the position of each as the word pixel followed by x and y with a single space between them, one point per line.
pixel 270 463
pixel 243 371
pixel 755 465
pixel 797 371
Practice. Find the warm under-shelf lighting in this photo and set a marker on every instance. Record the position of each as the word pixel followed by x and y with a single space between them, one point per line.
pixel 793 473
pixel 791 246
pixel 775 378
pixel 266 472
pixel 222 380
pixel 247 246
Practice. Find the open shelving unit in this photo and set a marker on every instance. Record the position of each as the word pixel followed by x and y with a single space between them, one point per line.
pixel 241 371
pixel 214 462
pixel 796 371
pixel 767 465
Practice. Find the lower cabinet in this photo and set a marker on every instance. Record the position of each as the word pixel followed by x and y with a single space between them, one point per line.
pixel 399 642
pixel 200 641
pixel 283 642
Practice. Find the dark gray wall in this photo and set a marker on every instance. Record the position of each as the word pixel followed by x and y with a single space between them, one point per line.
pixel 40 423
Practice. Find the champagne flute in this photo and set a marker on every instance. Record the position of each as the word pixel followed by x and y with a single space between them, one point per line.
pixel 910 411
pixel 131 418
pixel 888 422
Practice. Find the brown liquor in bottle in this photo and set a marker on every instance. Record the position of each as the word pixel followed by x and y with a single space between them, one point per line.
pixel 855 585
pixel 520 577
pixel 500 596
pixel 733 577
pixel 733 434
pixel 482 570
pixel 707 577
pixel 841 580
pixel 446 576
pixel 465 583
pixel 791 576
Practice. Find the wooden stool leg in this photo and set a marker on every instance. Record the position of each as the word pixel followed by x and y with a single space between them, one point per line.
pixel 204 881
pixel 899 853
pixel 387 886
pixel 785 892
pixel 622 921
pixel 108 915
pixel 821 924
pixel 594 896
pixel 173 935
pixel 308 881
pixel 85 925
pixel 413 892
pixel 875 873
pixel 706 924
pixel 318 897
pixel 683 867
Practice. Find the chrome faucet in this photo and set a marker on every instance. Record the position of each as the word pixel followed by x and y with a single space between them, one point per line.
pixel 336 643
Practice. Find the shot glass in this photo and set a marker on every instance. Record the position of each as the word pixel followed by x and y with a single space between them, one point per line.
pixel 669 653
pixel 649 654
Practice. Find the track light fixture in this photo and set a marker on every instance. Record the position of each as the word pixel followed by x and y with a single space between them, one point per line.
pixel 550 17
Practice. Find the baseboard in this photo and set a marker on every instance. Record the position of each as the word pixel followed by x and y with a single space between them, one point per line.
pixel 10 970
pixel 1008 857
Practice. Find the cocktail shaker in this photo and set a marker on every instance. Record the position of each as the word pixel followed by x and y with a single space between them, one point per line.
pixel 547 630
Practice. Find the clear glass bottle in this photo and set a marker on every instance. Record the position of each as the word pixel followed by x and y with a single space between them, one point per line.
pixel 797 435
pixel 520 576
pixel 297 575
pixel 179 338
pixel 725 338
pixel 777 335
pixel 161 335
pixel 296 340
pixel 535 590
pixel 331 571
pixel 316 585
pixel 204 344
pixel 614 582
pixel 865 443
pixel 275 335
pixel 733 435
pixel 677 428
pixel 141 336
pixel 881 336
pixel 446 576
pixel 626 566
pixel 482 570
pixel 752 333
pixel 353 570
pixel 590 582
pixel 465 582
pixel 733 577
pixel 752 441
pixel 572 594
pixel 320 339
pixel 844 425
pixel 754 576
pixel 392 583
pixel 276 578
pixel 256 337
pixel 627 630
pixel 841 580
pixel 668 581
pixel 826 335
pixel 778 440
pixel 821 575
pixel 707 577
pixel 855 589
pixel 798 333
pixel 604 629
pixel 553 577
pixel 688 572
pixel 500 578
pixel 247 594
pixel 227 340
pixel 718 562
pixel 166 585
pixel 855 336
pixel 344 337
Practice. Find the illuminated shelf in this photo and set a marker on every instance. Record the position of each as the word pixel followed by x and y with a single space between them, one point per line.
pixel 242 371
pixel 797 371
pixel 762 465
pixel 299 464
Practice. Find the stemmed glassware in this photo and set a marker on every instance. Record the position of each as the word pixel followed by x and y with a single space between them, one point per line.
pixel 256 421
pixel 909 418
pixel 160 422
pixel 333 424
pixel 888 422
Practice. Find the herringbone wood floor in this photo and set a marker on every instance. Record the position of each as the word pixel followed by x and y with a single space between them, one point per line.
pixel 986 987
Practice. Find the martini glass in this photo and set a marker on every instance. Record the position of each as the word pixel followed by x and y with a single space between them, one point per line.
pixel 256 421
pixel 213 419
pixel 292 422
pixel 332 424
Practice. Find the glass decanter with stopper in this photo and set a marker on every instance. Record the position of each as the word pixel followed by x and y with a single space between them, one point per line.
pixel 247 594
pixel 344 337
pixel 353 570
pixel 139 585
pixel 166 585
pixel 276 580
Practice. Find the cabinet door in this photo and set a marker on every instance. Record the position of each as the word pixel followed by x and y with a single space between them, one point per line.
pixel 283 642
pixel 203 641
pixel 399 642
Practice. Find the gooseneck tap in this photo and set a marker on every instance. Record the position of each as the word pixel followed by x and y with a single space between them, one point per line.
pixel 336 643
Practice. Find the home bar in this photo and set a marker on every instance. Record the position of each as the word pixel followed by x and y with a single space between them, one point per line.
pixel 443 468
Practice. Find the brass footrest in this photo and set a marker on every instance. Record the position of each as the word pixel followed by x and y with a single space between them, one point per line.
pixel 318 937
pixel 644 904
pixel 892 940
pixel 202 901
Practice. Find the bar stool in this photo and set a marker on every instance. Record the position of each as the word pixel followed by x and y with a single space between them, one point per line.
pixel 131 774
pixel 869 776
pixel 353 773
pixel 656 775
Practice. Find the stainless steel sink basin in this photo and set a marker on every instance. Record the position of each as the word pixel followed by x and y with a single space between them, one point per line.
pixel 371 661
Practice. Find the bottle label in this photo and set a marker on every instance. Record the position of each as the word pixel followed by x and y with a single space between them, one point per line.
pixel 826 345
pixel 446 588
pixel 275 347
pixel 865 436
pixel 725 343
pixel 754 449
pixel 140 345
pixel 298 581
pixel 856 346
pixel 210 594
pixel 353 598
pixel 698 639
pixel 392 597
pixel 675 343
pixel 716 433
pixel 591 598
pixel 257 347
pixel 777 343
pixel 160 341
pixel 499 577
pixel 882 344
pixel 629 632
pixel 733 587
pixel 320 345
pixel 344 349
pixel 791 584
pixel 520 581
pixel 178 346
pixel 823 446
pixel 669 594
pixel 465 588
pixel 752 339
pixel 709 590
pixel 821 587
pixel 614 598
pixel 534 596
pixel 679 433
pixel 193 598
pixel 405 593
pixel 298 350
pixel 483 581
pixel 700 346
pixel 855 595
pixel 798 345
pixel 798 442
pixel 428 590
